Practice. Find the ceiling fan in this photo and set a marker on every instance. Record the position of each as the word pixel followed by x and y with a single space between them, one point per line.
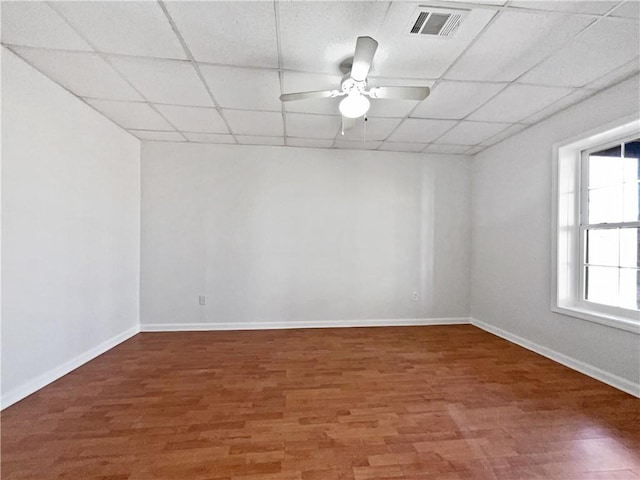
pixel 353 87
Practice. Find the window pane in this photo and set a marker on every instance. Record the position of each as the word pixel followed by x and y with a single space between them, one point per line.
pixel 630 288
pixel 632 148
pixel 605 204
pixel 602 285
pixel 630 247
pixel 602 247
pixel 631 201
pixel 605 170
pixel 631 169
pixel 615 151
pixel 631 176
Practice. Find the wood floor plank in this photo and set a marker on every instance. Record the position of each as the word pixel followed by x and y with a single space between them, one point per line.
pixel 445 402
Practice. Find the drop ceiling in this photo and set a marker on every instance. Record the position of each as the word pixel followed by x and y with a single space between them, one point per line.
pixel 212 72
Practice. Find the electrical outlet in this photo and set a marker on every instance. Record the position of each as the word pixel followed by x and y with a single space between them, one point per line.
pixel 415 296
pixel 202 300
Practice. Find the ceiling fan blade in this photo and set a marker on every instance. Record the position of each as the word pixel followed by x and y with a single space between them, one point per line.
pixel 348 123
pixel 289 97
pixel 365 50
pixel 400 93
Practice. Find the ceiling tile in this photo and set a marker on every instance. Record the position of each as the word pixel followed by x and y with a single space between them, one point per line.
pixel 131 115
pixel 418 130
pixel 246 122
pixel 506 133
pixel 513 44
pixel 391 108
pixel 155 135
pixel 164 81
pixel 602 48
pixel 351 145
pixel 130 28
pixel 401 54
pixel 234 87
pixel 471 133
pixel 456 99
pixel 318 36
pixel 259 140
pixel 372 129
pixel 312 126
pixel 35 24
pixel 231 33
pixel 483 2
pixel 517 102
pixel 474 150
pixel 194 119
pixel 630 9
pixel 402 147
pixel 571 99
pixel 310 142
pixel 448 149
pixel 570 6
pixel 83 73
pixel 209 137
pixel 617 75
pixel 308 82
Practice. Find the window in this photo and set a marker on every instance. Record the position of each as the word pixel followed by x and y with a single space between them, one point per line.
pixel 597 227
pixel 610 223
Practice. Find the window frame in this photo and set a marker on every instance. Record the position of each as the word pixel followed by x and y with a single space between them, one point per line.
pixel 568 238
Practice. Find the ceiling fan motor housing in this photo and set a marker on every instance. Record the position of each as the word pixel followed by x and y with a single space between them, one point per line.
pixel 349 85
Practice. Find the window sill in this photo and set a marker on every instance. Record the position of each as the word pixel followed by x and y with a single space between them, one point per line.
pixel 613 321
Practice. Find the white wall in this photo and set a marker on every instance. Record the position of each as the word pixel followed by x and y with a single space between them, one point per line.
pixel 511 243
pixel 277 236
pixel 70 225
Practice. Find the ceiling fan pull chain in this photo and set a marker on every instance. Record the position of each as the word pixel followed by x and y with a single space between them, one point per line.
pixel 364 138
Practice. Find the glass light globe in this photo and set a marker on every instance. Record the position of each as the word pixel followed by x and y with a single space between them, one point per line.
pixel 354 105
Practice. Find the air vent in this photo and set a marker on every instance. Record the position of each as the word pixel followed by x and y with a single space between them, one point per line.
pixel 436 22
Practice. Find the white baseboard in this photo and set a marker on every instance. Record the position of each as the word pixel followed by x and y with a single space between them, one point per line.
pixel 615 381
pixel 32 386
pixel 399 322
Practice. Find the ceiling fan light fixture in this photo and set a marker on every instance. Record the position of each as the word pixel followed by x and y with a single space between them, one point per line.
pixel 354 105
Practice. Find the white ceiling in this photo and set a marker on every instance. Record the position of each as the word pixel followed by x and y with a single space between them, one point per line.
pixel 212 72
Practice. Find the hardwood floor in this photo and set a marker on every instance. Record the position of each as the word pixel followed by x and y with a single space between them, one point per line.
pixel 450 402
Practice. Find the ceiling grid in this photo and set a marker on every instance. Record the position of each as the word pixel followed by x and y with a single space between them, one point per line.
pixel 280 73
pixel 195 66
pixel 106 60
pixel 503 70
